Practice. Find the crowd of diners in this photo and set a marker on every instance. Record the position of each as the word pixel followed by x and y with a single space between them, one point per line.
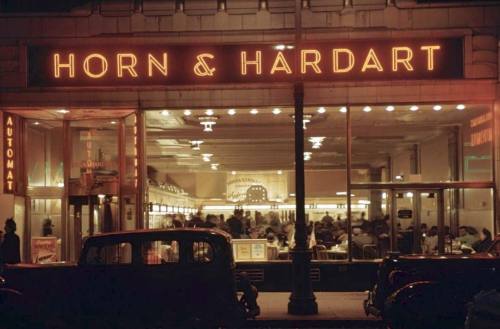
pixel 370 238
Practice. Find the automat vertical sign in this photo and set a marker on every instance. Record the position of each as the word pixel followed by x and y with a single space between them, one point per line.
pixel 9 129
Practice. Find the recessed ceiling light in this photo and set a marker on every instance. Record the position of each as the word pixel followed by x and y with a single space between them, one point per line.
pixel 367 109
pixel 206 157
pixel 254 111
pixel 316 142
pixel 233 172
pixel 343 109
pixel 113 122
pixel 279 172
pixel 208 123
pixel 280 47
pixel 409 194
pixel 214 166
pixel 437 107
pixel 321 109
pixel 276 111
pixel 209 112
pixel 231 111
pixel 460 107
pixel 165 113
pixel 63 111
pixel 187 112
pixel 414 108
pixel 195 145
pixel 390 108
pixel 36 123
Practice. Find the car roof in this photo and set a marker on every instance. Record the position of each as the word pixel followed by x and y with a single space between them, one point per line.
pixel 152 233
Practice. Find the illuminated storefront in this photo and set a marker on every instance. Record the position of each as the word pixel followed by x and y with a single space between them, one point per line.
pixel 118 134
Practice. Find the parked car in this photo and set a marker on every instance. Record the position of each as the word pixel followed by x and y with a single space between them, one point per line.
pixel 484 310
pixel 138 279
pixel 417 291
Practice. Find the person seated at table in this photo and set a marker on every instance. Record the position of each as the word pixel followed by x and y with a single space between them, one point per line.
pixel 359 240
pixel 484 242
pixel 423 229
pixel 465 237
pixel 254 233
pixel 341 236
pixel 429 245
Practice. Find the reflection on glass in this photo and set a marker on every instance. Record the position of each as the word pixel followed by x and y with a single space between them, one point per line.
pixel 44 159
pixel 46 230
pixel 237 176
pixel 422 146
pixel 94 154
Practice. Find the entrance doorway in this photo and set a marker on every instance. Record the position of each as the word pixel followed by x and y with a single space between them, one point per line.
pixel 90 215
pixel 81 171
pixel 419 221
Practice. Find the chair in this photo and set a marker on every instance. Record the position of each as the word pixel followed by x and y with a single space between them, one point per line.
pixel 272 252
pixel 372 250
pixel 319 252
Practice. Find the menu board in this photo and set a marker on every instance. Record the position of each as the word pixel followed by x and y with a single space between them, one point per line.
pixel 43 250
pixel 250 249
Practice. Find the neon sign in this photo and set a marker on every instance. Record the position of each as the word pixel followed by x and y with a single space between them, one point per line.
pixel 157 64
pixel 9 154
pixel 482 131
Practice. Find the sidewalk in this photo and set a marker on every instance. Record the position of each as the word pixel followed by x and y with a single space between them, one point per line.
pixel 335 310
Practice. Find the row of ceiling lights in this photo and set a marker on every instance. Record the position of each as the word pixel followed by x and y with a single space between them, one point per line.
pixel 320 110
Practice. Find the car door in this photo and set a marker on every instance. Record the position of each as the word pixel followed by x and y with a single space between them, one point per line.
pixel 110 284
pixel 162 283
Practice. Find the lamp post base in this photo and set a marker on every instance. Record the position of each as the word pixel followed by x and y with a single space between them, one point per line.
pixel 302 300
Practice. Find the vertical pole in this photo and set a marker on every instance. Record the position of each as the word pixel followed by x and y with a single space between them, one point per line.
pixel 302 299
pixel 417 221
pixel 121 174
pixel 142 172
pixel 65 199
pixel 494 162
pixel 348 181
pixel 22 149
pixel 394 214
pixel 440 219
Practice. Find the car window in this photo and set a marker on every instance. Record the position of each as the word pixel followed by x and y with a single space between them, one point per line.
pixel 160 252
pixel 202 252
pixel 118 253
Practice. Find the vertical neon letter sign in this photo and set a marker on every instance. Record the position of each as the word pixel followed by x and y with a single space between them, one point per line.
pixel 9 152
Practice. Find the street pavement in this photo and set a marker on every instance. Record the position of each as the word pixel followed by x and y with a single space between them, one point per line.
pixel 336 310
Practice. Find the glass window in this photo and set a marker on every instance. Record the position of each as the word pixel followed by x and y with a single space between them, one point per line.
pixel 326 181
pixel 46 230
pixel 44 159
pixel 160 252
pixel 421 143
pixel 229 168
pixel 119 253
pixel 202 252
pixel 94 145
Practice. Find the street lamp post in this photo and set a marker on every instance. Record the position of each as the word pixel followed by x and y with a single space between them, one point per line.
pixel 302 299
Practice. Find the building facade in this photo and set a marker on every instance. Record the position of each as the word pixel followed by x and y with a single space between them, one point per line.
pixel 133 114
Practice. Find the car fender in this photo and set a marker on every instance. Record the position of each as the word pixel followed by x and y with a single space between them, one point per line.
pixel 419 304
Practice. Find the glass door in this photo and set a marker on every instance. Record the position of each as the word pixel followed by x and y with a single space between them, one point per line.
pixel 420 223
pixel 405 220
pixel 46 227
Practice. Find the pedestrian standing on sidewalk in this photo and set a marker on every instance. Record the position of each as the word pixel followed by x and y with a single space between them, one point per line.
pixel 10 247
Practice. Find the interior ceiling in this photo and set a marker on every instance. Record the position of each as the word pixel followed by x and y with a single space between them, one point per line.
pixel 265 141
